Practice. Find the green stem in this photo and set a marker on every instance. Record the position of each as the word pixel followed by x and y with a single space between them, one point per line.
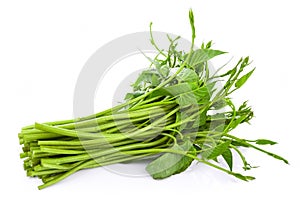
pixel 97 153
pixel 89 163
pixel 257 148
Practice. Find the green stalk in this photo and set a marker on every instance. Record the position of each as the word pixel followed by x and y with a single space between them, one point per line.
pixel 95 154
pixel 83 165
pixel 257 148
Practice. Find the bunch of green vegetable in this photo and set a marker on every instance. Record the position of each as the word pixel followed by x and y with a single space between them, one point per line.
pixel 177 113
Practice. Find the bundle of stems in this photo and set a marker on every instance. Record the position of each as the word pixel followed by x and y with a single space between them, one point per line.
pixel 174 118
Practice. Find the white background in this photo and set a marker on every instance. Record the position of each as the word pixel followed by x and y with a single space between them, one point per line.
pixel 43 46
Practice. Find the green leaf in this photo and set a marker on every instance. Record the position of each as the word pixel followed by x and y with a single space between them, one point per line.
pixel 150 77
pixel 185 99
pixel 187 75
pixel 209 44
pixel 214 152
pixel 170 163
pixel 265 142
pixel 192 21
pixel 227 155
pixel 202 55
pixel 238 121
pixel 278 157
pixel 242 177
pixel 202 118
pixel 133 95
pixel 243 106
pixel 174 90
pixel 230 72
pixel 195 96
pixel 245 62
pixel 155 81
pixel 186 93
pixel 240 82
pixel 194 123
pixel 219 104
pixel 164 70
pixel 216 127
pixel 239 143
pixel 180 116
pixel 204 93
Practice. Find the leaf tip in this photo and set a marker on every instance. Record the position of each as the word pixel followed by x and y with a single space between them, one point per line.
pixel 250 178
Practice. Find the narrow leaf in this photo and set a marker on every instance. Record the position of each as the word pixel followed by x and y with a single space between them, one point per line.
pixel 192 21
pixel 278 157
pixel 240 82
pixel 230 72
pixel 242 177
pixel 265 142
pixel 238 121
pixel 239 143
pixel 227 155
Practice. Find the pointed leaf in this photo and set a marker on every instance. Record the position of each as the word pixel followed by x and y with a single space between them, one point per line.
pixel 238 121
pixel 216 151
pixel 133 95
pixel 202 55
pixel 230 72
pixel 242 177
pixel 240 82
pixel 187 75
pixel 186 93
pixel 170 163
pixel 265 142
pixel 239 143
pixel 243 106
pixel 278 157
pixel 187 99
pixel 227 155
